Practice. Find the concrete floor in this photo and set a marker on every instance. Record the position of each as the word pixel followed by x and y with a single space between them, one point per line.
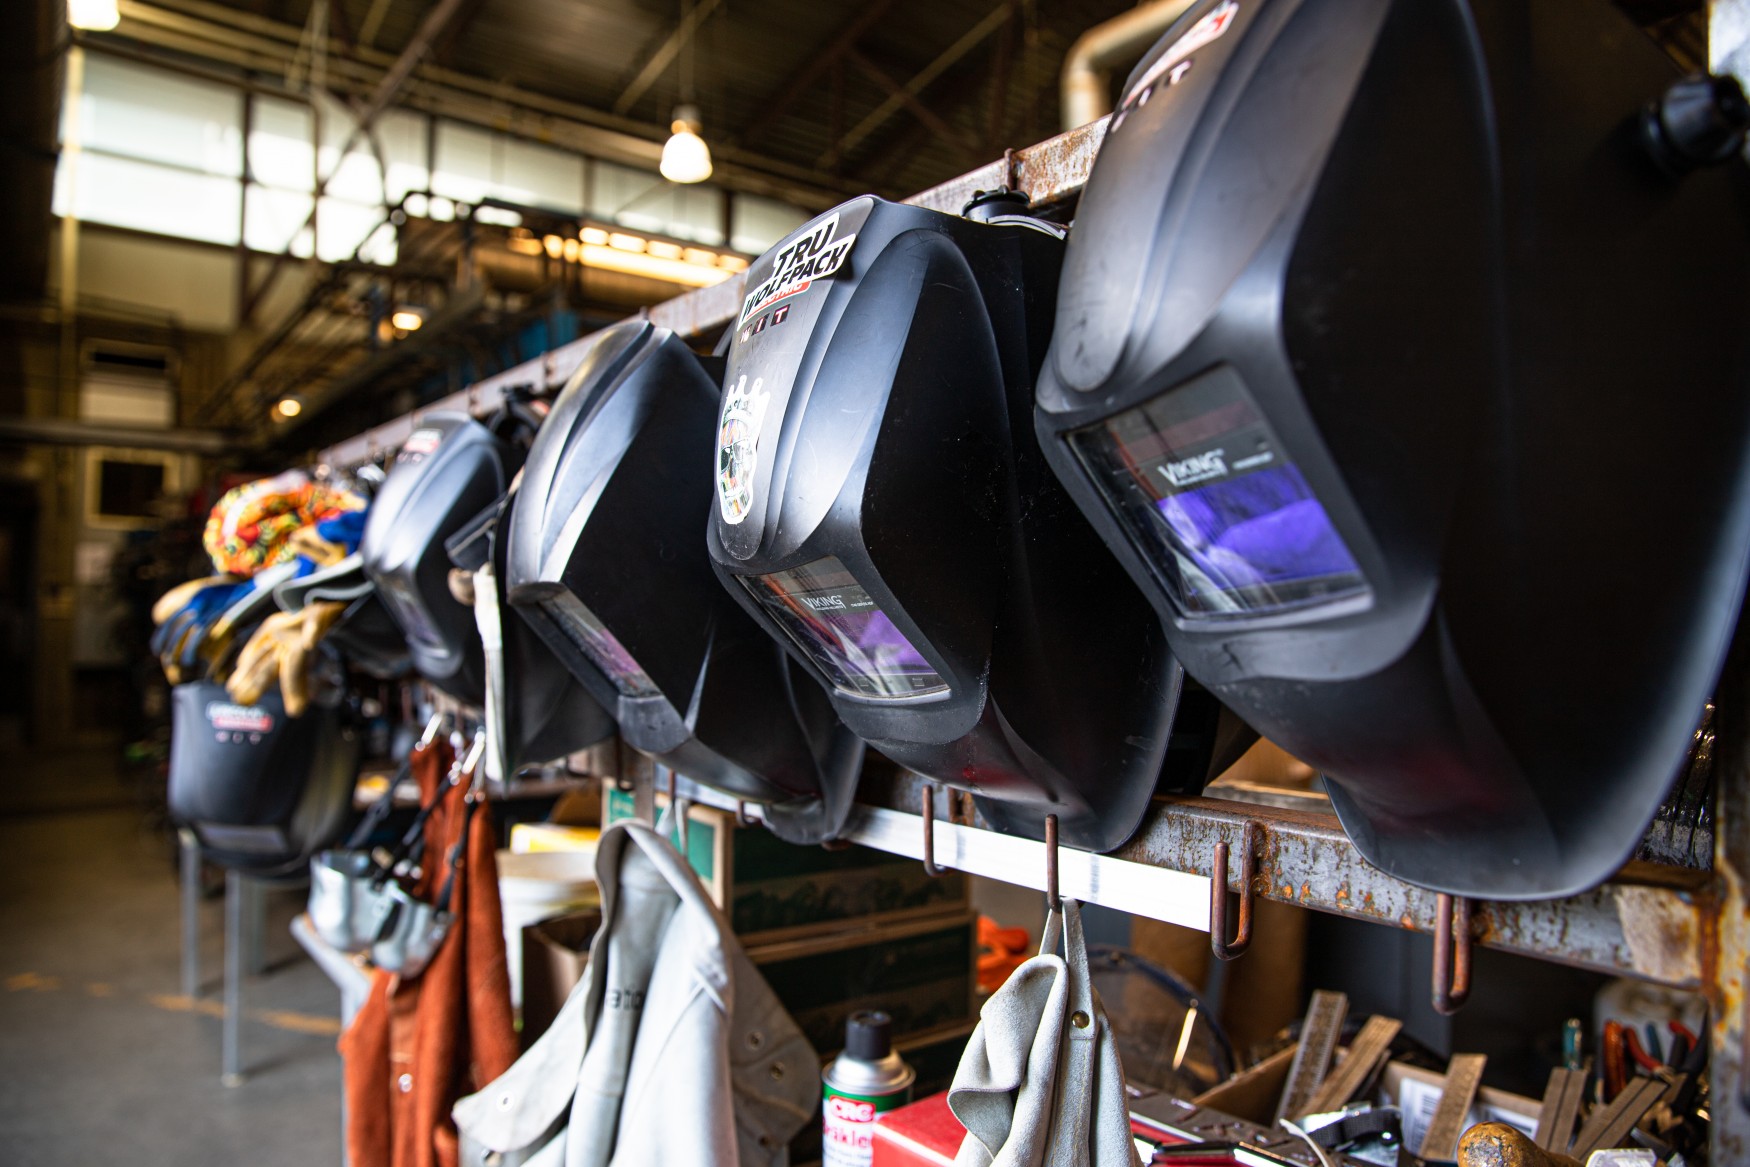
pixel 101 1059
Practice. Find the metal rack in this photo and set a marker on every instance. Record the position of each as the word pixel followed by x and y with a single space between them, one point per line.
pixel 1679 927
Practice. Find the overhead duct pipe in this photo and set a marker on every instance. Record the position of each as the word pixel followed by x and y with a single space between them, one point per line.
pixel 1086 87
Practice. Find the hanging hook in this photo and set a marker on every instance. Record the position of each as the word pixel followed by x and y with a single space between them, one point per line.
pixel 741 815
pixel 928 810
pixel 1451 953
pixel 1053 901
pixel 678 807
pixel 1218 941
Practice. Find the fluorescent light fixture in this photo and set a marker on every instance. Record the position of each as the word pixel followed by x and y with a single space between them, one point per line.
pixel 675 271
pixel 685 157
pixel 93 15
pixel 407 319
pixel 594 235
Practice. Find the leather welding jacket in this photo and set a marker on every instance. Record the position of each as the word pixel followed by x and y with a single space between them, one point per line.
pixel 671 1049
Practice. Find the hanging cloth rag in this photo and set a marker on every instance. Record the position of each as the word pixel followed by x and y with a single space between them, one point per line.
pixel 419 1043
pixel 671 1049
pixel 1039 1084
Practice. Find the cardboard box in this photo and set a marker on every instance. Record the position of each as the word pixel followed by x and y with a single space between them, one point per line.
pixel 555 953
pixel 772 890
pixel 1416 1092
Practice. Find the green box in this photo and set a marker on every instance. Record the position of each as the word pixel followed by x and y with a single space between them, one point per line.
pixel 922 973
pixel 772 890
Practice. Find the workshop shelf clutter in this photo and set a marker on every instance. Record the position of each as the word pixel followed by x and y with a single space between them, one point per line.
pixel 1252 489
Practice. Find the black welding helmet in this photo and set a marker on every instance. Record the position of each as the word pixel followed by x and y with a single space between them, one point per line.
pixel 261 791
pixel 547 714
pixel 882 508
pixel 606 561
pixel 1416 397
pixel 447 472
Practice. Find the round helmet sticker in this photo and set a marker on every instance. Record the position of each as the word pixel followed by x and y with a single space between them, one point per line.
pixel 738 438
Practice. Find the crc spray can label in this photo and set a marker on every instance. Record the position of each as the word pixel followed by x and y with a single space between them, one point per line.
pixel 849 1138
pixel 862 1083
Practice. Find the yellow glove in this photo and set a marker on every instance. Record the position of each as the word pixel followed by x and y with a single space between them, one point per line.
pixel 306 542
pixel 282 649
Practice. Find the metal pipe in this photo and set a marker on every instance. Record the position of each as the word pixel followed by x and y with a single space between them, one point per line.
pixel 1086 87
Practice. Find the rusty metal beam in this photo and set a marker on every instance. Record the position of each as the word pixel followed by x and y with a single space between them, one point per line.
pixel 1649 923
pixel 776 104
pixel 664 55
pixel 926 116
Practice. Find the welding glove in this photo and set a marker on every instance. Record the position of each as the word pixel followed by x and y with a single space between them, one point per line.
pixel 283 649
pixel 184 616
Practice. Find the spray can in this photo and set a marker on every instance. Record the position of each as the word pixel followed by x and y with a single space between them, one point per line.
pixel 867 1080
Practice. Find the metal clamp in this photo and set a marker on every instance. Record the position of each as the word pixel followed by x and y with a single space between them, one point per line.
pixel 1223 948
pixel 928 810
pixel 1452 944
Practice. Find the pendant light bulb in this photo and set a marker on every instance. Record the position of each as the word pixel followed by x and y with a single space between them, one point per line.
pixel 93 15
pixel 686 157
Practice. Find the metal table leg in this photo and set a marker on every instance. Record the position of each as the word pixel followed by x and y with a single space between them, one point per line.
pixel 231 1054
pixel 191 912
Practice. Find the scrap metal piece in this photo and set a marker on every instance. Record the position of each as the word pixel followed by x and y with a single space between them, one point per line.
pixel 1312 1056
pixel 1464 1077
pixel 1366 1053
pixel 1608 1125
pixel 1561 1107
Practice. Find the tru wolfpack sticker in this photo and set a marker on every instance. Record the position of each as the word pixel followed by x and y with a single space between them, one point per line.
pixel 738 435
pixel 1173 64
pixel 807 258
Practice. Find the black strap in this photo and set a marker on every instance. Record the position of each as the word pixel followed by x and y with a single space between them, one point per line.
pixel 380 809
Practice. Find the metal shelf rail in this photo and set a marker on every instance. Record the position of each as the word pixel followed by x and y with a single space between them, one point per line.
pixel 1689 929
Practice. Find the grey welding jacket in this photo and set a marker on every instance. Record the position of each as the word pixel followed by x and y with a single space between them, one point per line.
pixel 671 1049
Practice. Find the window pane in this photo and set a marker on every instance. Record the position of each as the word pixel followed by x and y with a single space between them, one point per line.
pixel 145 197
pixel 403 137
pixel 158 116
pixel 539 176
pixel 474 164
pixel 356 178
pixel 271 217
pixel 614 188
pixel 685 212
pixel 341 226
pixel 280 152
pixel 757 223
pixel 463 166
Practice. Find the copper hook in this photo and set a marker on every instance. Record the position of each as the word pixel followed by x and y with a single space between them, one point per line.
pixel 679 808
pixel 1053 901
pixel 1451 953
pixel 928 811
pixel 1218 941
